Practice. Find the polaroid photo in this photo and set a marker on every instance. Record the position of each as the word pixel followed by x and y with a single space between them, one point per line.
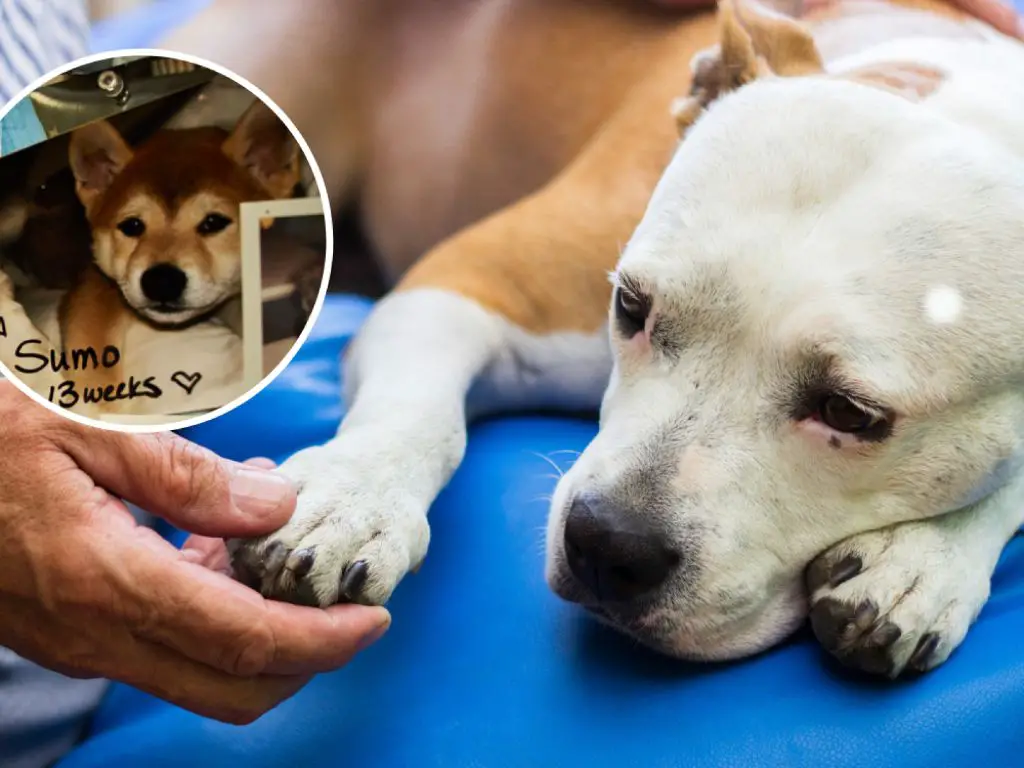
pixel 163 241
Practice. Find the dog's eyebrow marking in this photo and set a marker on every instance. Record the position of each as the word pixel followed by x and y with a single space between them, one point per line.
pixel 664 333
pixel 630 285
pixel 943 305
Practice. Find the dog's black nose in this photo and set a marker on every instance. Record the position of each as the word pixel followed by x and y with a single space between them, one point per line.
pixel 163 283
pixel 615 554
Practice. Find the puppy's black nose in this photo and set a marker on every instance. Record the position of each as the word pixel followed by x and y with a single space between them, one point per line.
pixel 615 554
pixel 163 283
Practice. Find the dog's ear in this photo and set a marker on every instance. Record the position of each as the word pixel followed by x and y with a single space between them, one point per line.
pixel 913 82
pixel 754 42
pixel 264 146
pixel 96 154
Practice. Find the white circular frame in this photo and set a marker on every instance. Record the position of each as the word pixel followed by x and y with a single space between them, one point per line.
pixel 328 254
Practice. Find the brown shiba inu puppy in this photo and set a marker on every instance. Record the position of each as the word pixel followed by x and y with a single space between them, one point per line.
pixel 164 219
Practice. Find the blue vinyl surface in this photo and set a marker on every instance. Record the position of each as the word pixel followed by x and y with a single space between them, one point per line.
pixel 484 667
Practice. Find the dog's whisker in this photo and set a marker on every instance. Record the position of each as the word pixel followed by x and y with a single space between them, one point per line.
pixel 550 461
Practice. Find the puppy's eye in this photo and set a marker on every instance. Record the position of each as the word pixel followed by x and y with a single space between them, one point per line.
pixel 631 312
pixel 133 226
pixel 852 418
pixel 213 223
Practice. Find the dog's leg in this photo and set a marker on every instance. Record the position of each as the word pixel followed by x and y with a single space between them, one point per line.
pixel 361 520
pixel 93 318
pixel 902 598
pixel 508 314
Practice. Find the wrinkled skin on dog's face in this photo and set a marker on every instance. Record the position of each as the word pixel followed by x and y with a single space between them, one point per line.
pixel 816 331
pixel 165 216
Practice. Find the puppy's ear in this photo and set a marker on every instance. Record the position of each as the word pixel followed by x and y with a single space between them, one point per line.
pixel 754 42
pixel 96 154
pixel 264 146
pixel 913 82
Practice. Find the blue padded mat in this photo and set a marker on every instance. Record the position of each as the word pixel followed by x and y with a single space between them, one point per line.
pixel 484 667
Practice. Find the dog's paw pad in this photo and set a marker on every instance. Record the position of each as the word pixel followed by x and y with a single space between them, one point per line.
pixel 891 602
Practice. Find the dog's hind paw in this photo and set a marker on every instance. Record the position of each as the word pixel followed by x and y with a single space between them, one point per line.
pixel 355 533
pixel 894 601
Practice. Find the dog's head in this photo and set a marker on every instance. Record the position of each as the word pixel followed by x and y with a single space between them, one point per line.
pixel 164 216
pixel 817 332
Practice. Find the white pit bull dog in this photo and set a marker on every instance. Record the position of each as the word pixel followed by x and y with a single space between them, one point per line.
pixel 815 341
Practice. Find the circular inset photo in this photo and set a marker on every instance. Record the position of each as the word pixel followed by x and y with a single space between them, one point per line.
pixel 165 241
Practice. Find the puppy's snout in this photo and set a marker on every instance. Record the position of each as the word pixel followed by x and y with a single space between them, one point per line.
pixel 614 553
pixel 163 283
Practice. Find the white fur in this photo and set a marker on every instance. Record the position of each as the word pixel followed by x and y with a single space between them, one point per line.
pixel 799 215
pixel 931 576
pixel 409 373
pixel 815 214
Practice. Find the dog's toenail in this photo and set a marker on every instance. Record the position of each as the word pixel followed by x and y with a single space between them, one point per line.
pixel 923 653
pixel 303 562
pixel 845 570
pixel 885 635
pixel 353 579
pixel 243 574
pixel 274 557
pixel 827 622
pixel 866 614
pixel 874 661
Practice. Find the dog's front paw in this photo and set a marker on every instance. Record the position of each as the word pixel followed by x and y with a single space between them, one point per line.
pixel 355 532
pixel 896 600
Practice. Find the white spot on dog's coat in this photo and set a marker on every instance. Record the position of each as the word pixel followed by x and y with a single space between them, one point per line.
pixel 943 305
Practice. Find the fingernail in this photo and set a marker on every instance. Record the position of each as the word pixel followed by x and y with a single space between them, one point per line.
pixel 374 635
pixel 259 491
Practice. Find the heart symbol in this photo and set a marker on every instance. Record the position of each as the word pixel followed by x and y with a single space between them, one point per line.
pixel 186 381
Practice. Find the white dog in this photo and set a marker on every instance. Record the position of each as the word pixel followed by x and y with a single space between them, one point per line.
pixel 815 345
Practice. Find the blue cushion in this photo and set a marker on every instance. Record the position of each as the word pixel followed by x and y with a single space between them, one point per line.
pixel 484 667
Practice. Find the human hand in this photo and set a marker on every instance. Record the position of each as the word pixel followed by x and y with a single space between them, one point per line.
pixel 86 591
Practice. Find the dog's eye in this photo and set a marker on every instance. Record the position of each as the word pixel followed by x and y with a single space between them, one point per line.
pixel 631 312
pixel 845 415
pixel 213 223
pixel 133 226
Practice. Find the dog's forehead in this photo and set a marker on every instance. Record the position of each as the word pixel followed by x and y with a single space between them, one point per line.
pixel 886 244
pixel 176 168
pixel 813 184
pixel 788 143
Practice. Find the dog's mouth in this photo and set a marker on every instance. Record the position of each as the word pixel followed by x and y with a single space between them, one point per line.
pixel 693 631
pixel 164 314
pixel 629 619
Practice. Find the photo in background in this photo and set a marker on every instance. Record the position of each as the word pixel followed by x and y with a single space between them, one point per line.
pixel 253 255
